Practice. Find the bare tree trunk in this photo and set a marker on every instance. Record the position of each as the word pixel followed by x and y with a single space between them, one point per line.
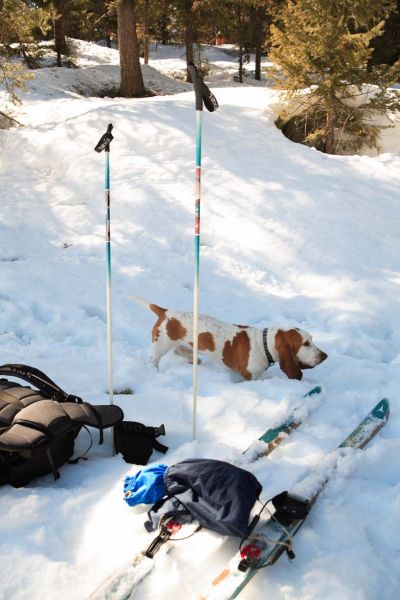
pixel 241 43
pixel 330 133
pixel 257 73
pixel 164 24
pixel 131 74
pixel 189 35
pixel 240 62
pixel 259 19
pixel 59 31
pixel 146 32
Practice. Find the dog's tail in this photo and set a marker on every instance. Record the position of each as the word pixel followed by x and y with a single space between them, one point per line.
pixel 156 309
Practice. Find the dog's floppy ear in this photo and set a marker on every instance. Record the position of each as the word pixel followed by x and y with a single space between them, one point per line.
pixel 287 355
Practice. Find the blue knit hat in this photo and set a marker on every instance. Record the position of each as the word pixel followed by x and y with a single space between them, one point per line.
pixel 146 486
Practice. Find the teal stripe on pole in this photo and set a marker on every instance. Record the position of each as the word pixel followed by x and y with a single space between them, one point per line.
pixel 203 96
pixel 108 258
pixel 104 144
pixel 196 285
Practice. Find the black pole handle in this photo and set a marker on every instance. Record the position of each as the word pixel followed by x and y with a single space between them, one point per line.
pixel 203 94
pixel 105 140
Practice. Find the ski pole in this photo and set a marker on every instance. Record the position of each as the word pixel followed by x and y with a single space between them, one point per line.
pixel 104 144
pixel 203 96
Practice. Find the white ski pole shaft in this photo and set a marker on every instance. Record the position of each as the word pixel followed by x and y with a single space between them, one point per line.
pixel 206 98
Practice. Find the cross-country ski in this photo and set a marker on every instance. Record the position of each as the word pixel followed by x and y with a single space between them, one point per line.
pixel 275 536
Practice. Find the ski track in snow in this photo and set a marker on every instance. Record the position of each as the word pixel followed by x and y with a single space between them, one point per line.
pixel 289 237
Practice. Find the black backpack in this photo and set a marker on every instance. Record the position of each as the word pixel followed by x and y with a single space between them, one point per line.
pixel 38 427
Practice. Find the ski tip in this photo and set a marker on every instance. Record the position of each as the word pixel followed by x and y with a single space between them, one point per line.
pixel 382 410
pixel 369 427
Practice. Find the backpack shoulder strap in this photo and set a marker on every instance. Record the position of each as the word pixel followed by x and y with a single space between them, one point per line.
pixel 159 446
pixel 40 380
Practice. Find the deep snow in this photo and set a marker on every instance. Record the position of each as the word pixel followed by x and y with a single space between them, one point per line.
pixel 289 237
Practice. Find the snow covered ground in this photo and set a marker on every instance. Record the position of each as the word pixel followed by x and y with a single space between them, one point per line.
pixel 289 237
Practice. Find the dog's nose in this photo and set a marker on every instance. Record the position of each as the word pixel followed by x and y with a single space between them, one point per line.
pixel 323 356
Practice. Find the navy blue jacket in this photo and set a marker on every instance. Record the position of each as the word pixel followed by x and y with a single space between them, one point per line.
pixel 219 495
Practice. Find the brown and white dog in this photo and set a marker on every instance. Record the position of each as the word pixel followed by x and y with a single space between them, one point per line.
pixel 246 350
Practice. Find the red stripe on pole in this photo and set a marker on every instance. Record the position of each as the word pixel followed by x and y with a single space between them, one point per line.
pixel 197 218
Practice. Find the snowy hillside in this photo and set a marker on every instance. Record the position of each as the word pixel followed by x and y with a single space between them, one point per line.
pixel 290 237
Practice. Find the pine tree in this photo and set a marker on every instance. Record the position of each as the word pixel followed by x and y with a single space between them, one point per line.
pixel 184 18
pixel 91 20
pixel 245 23
pixel 322 48
pixel 161 20
pixel 234 22
pixel 258 21
pixel 20 23
pixel 185 21
pixel 252 33
pixel 386 48
pixel 154 19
